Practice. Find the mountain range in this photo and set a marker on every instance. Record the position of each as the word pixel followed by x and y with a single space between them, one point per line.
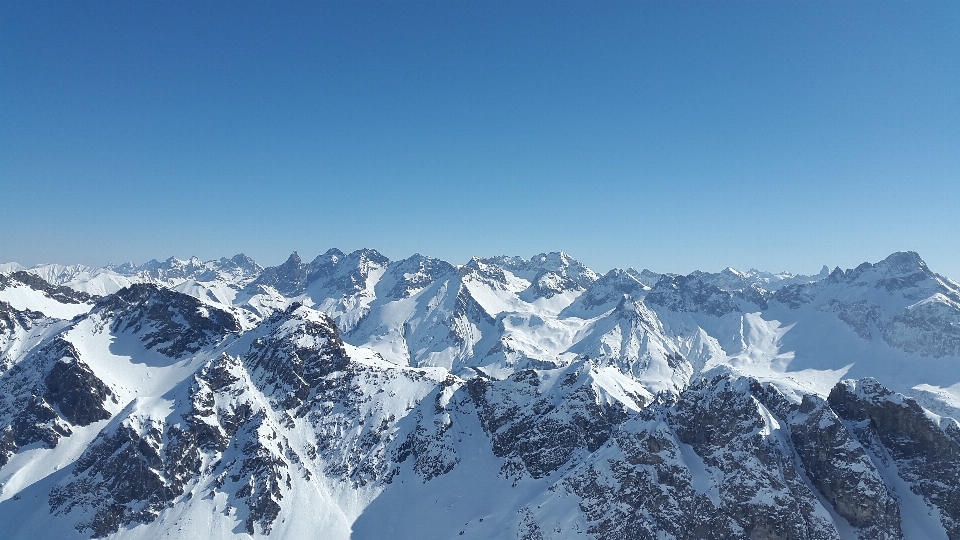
pixel 357 397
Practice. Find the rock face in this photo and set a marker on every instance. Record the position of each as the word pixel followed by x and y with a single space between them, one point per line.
pixel 121 478
pixel 74 389
pixel 173 324
pixel 734 458
pixel 925 453
pixel 287 278
pixel 15 324
pixel 691 294
pixel 60 294
pixel 505 398
pixel 836 464
pixel 713 464
pixel 537 427
pixel 42 399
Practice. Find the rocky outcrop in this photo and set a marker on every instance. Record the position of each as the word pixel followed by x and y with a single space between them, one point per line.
pixel 926 455
pixel 538 427
pixel 836 463
pixel 120 478
pixel 287 278
pixel 64 295
pixel 14 323
pixel 691 294
pixel 298 349
pixel 734 458
pixel 75 390
pixel 713 464
pixel 44 397
pixel 172 323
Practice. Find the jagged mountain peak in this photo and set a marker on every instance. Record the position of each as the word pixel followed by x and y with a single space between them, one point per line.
pixel 296 347
pixel 904 263
pixel 128 267
pixel 553 260
pixel 903 268
pixel 730 271
pixel 329 258
pixel 645 276
pixel 405 277
pixel 605 293
pixel 361 260
pixel 287 278
pixel 245 263
pixel 421 260
pixel 293 261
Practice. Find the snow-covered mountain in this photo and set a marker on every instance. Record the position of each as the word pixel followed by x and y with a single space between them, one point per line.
pixel 357 397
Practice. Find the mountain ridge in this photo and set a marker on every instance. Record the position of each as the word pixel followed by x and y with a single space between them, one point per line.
pixel 225 399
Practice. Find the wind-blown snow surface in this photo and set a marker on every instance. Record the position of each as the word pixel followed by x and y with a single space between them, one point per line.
pixel 358 397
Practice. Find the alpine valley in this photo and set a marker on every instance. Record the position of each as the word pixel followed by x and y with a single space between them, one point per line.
pixel 358 397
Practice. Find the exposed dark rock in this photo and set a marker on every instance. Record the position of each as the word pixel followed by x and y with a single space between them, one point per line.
pixel 406 277
pixel 174 324
pixel 288 278
pixel 43 397
pixel 797 295
pixel 931 328
pixel 37 422
pixel 609 290
pixel 124 477
pixel 691 294
pixel 431 443
pixel 345 273
pixel 926 455
pixel 75 390
pixel 539 430
pixel 13 320
pixel 64 295
pixel 837 464
pixel 736 479
pixel 299 350
pixel 10 317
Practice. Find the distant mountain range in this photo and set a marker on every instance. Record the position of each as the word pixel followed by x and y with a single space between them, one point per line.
pixel 358 397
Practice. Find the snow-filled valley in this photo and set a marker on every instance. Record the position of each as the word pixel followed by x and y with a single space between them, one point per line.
pixel 358 397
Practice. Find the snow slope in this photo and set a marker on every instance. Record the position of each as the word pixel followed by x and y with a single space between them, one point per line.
pixel 354 397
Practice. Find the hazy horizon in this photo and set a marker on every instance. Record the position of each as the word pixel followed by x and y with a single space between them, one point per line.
pixel 668 135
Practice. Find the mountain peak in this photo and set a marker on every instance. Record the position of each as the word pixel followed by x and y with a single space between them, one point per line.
pixel 731 271
pixel 904 262
pixel 330 256
pixel 293 259
pixel 244 261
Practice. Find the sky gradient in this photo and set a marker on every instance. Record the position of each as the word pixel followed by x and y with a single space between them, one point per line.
pixel 668 135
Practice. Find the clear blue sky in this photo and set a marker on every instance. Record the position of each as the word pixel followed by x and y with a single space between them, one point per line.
pixel 671 135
